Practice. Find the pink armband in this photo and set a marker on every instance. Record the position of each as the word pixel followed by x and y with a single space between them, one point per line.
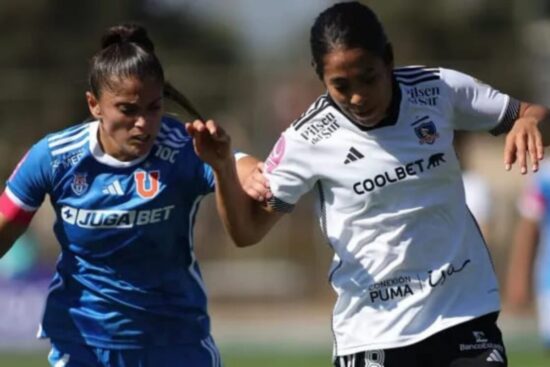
pixel 13 211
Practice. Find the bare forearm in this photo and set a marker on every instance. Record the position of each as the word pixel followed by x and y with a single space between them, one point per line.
pixel 541 114
pixel 520 269
pixel 244 219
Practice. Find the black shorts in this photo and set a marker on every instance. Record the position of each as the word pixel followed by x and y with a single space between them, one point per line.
pixel 476 343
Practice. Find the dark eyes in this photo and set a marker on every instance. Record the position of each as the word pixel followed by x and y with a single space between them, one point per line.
pixel 344 86
pixel 128 109
pixel 131 109
pixel 369 79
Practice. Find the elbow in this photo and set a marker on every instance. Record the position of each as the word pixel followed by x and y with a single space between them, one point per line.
pixel 242 244
pixel 247 237
pixel 245 240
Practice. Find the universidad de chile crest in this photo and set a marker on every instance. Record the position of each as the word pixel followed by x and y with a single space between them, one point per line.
pixel 79 184
pixel 425 130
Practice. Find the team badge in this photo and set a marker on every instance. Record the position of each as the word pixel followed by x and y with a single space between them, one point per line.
pixel 276 155
pixel 147 183
pixel 79 184
pixel 425 130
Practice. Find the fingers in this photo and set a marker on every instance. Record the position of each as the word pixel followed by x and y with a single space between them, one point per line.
pixel 258 193
pixel 521 155
pixel 523 144
pixel 257 185
pixel 195 127
pixel 532 151
pixel 509 152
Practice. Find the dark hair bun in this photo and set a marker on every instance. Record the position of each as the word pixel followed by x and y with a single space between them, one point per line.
pixel 127 33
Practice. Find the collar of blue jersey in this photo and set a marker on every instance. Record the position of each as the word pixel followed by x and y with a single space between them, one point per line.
pixel 391 116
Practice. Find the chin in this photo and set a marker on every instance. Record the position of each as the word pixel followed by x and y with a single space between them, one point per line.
pixel 138 152
pixel 367 122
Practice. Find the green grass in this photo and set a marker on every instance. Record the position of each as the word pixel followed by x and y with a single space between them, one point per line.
pixel 266 359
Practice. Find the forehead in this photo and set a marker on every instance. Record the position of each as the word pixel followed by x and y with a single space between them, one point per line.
pixel 132 88
pixel 345 62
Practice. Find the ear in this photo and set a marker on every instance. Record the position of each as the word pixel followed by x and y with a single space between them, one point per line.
pixel 93 105
pixel 317 69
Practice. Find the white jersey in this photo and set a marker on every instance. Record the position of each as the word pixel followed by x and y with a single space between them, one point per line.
pixel 409 258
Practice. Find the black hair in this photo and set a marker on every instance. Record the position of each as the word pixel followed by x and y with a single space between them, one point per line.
pixel 348 25
pixel 127 50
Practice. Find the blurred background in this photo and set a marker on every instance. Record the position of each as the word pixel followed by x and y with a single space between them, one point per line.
pixel 246 63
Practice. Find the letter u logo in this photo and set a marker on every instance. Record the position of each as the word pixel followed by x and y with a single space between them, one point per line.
pixel 147 187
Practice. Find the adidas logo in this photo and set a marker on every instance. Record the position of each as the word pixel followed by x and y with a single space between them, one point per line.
pixel 495 356
pixel 114 189
pixel 353 155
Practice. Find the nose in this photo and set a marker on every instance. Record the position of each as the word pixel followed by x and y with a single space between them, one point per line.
pixel 357 99
pixel 140 122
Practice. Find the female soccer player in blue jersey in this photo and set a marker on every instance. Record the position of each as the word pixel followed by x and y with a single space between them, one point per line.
pixel 125 189
pixel 529 265
pixel 413 277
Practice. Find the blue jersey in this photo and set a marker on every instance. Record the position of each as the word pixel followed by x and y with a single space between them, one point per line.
pixel 127 275
pixel 535 204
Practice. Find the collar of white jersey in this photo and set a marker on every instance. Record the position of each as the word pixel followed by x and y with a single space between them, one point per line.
pixel 101 156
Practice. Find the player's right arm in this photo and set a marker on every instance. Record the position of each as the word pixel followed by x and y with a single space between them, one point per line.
pixel 519 281
pixel 24 193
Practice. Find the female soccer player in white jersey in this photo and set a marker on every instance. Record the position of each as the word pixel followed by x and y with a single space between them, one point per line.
pixel 414 279
pixel 125 189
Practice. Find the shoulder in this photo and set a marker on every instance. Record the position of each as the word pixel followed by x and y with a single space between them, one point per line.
pixel 316 110
pixel 416 74
pixel 171 125
pixel 172 133
pixel 319 122
pixel 410 76
pixel 174 145
pixel 66 141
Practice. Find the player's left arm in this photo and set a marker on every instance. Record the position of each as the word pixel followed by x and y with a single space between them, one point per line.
pixel 529 135
pixel 478 106
pixel 245 220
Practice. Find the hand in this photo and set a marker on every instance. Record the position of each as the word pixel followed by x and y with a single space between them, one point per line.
pixel 256 185
pixel 212 144
pixel 525 139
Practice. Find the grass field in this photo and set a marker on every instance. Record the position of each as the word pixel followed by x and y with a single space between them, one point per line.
pixel 266 359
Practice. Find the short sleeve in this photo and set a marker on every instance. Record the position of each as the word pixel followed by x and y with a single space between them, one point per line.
pixel 31 179
pixel 208 182
pixel 289 171
pixel 477 106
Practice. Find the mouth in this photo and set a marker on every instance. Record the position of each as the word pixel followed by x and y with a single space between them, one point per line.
pixel 140 139
pixel 369 116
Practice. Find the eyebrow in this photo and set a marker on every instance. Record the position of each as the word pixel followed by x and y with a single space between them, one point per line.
pixel 367 73
pixel 133 103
